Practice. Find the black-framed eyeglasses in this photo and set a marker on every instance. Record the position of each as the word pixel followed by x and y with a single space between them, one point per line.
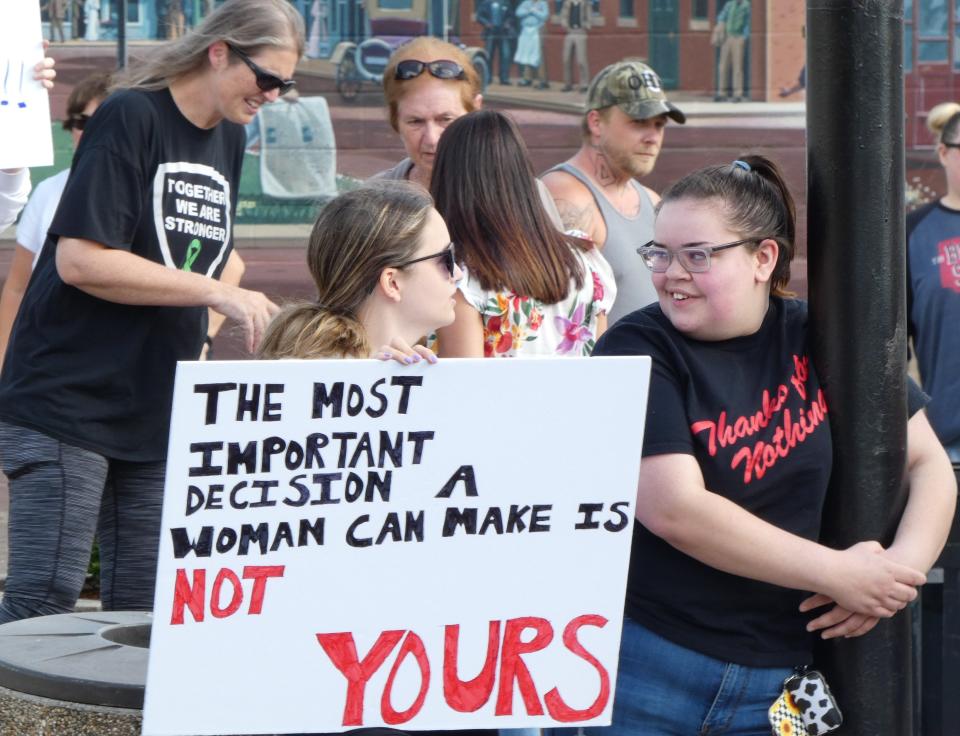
pixel 695 258
pixel 448 254
pixel 949 145
pixel 265 80
pixel 441 69
pixel 77 121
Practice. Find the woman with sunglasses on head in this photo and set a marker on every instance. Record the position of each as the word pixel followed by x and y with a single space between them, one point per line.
pixel 933 285
pixel 736 459
pixel 528 289
pixel 429 83
pixel 119 295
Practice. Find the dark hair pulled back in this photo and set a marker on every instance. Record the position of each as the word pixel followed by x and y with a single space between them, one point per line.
pixel 756 203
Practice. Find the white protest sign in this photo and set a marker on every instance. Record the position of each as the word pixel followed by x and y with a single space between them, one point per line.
pixel 24 105
pixel 353 543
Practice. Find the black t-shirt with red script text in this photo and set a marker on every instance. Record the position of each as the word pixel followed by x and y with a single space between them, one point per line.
pixel 95 373
pixel 752 413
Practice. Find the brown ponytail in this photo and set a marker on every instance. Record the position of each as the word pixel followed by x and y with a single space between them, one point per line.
pixel 311 331
pixel 756 204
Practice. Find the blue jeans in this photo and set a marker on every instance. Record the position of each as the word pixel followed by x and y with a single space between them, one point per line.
pixel 494 44
pixel 664 689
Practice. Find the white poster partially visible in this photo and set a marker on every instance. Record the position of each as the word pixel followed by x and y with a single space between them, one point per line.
pixel 25 135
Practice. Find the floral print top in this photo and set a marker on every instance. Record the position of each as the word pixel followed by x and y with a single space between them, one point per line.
pixel 516 325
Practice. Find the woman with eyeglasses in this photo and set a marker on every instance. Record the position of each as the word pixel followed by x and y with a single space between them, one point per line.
pixel 736 459
pixel 528 289
pixel 385 272
pixel 84 99
pixel 933 285
pixel 119 295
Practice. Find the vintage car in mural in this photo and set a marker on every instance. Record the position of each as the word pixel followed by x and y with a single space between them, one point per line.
pixel 391 23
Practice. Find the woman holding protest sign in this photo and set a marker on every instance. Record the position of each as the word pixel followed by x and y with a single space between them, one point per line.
pixel 119 295
pixel 386 273
pixel 528 289
pixel 737 455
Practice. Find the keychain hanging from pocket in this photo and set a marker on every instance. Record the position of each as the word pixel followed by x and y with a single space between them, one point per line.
pixel 806 707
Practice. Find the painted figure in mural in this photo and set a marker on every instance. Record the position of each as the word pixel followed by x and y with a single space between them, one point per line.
pixel 120 293
pixel 175 19
pixel 532 15
pixel 597 191
pixel 576 17
pixel 91 14
pixel 797 86
pixel 732 32
pixel 499 30
pixel 318 28
pixel 56 9
pixel 933 285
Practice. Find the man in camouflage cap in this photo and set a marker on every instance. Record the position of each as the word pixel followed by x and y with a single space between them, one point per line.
pixel 597 191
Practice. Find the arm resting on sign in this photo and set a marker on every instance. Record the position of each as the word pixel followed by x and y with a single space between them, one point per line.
pixel 673 503
pixel 119 276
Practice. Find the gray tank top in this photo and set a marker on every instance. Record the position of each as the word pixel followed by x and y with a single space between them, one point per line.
pixel 624 235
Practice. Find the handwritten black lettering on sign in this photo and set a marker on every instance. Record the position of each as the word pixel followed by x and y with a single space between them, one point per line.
pixel 327 468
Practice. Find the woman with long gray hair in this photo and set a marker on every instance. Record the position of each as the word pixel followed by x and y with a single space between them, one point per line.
pixel 119 295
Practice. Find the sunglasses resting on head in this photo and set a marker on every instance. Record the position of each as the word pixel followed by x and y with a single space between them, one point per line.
pixel 441 69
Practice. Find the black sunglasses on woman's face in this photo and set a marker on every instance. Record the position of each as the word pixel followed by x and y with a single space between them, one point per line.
pixel 77 121
pixel 448 255
pixel 265 80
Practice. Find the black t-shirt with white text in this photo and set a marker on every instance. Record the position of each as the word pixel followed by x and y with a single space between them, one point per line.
pixel 95 373
pixel 753 414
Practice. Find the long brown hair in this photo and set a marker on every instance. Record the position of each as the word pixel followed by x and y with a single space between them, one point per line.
pixel 355 237
pixel 484 187
pixel 248 25
pixel 755 201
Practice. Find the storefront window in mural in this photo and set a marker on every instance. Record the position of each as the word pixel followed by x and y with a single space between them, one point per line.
pixel 933 43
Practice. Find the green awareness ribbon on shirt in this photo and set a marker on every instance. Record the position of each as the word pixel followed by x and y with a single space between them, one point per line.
pixel 193 250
